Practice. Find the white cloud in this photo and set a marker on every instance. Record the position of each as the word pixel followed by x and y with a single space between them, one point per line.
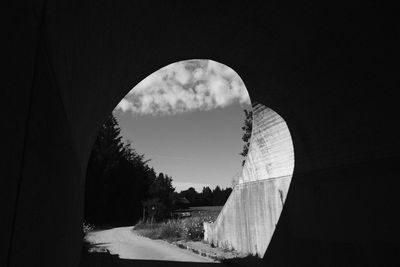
pixel 186 86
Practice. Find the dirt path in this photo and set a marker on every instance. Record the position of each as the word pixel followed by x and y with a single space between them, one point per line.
pixel 128 245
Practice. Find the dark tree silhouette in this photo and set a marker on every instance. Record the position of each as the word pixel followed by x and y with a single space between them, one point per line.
pixel 117 179
pixel 207 197
pixel 161 193
pixel 217 197
pixel 190 194
pixel 247 128
pixel 121 188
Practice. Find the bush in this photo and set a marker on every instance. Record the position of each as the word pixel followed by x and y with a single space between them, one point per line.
pixel 194 228
pixel 143 225
pixel 150 230
pixel 87 227
pixel 172 229
pixel 175 229
pixel 169 230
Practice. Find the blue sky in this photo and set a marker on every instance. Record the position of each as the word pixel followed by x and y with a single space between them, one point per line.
pixel 187 118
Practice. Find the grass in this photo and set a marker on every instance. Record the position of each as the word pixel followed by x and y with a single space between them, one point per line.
pixel 184 231
pixel 208 211
pixel 180 229
pixel 170 230
pixel 249 260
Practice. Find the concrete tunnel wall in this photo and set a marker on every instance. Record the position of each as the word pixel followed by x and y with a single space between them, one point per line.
pixel 329 71
pixel 249 217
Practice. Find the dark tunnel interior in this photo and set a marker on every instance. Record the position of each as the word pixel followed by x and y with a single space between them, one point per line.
pixel 330 70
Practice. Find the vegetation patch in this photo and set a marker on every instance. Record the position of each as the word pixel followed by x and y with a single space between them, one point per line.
pixel 87 227
pixel 175 229
pixel 188 233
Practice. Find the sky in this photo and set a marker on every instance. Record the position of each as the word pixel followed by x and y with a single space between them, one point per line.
pixel 187 118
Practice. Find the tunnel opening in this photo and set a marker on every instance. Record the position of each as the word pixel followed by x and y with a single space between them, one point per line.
pixel 265 174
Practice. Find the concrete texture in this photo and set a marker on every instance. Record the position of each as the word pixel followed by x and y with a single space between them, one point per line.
pixel 330 70
pixel 250 216
pixel 248 220
pixel 271 152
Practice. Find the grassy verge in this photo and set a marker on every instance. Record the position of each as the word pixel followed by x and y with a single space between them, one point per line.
pixel 174 229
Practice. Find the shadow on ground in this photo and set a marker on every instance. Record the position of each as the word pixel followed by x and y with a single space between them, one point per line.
pixel 105 259
pixel 246 261
pixel 108 260
pixel 102 258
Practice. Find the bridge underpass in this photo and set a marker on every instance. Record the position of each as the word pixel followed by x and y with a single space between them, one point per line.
pixel 330 72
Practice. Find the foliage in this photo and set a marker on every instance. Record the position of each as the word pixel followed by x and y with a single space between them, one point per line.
pixel 247 128
pixel 118 179
pixel 87 227
pixel 170 230
pixel 159 204
pixel 194 229
pixel 208 197
pixel 174 229
pixel 121 188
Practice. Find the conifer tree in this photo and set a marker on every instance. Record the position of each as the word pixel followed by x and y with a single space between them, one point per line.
pixel 117 178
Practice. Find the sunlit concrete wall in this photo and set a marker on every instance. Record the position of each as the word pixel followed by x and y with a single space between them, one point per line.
pixel 249 217
pixel 271 148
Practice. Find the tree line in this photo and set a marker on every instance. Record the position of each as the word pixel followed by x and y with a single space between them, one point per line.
pixel 208 197
pixel 122 188
pixel 119 180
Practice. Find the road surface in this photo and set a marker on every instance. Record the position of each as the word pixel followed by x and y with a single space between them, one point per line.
pixel 128 245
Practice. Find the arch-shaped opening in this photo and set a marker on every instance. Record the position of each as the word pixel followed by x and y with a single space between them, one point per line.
pixel 248 219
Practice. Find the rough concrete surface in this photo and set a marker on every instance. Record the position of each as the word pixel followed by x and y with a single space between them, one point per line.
pixel 248 219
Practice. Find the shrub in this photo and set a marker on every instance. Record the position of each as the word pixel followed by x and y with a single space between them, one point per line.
pixel 150 230
pixel 174 229
pixel 87 227
pixel 194 228
pixel 144 225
